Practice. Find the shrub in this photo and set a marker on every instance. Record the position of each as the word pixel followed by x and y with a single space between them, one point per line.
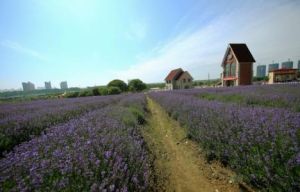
pixel 103 91
pixel 85 93
pixel 118 83
pixel 136 85
pixel 72 94
pixel 114 90
pixel 96 91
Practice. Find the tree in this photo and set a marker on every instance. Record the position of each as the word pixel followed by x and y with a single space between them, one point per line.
pixel 72 94
pixel 103 91
pixel 85 93
pixel 114 90
pixel 118 83
pixel 136 85
pixel 96 91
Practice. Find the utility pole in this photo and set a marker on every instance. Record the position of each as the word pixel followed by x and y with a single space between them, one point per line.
pixel 208 79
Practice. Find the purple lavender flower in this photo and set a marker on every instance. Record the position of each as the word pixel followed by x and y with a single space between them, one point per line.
pixel 91 152
pixel 254 140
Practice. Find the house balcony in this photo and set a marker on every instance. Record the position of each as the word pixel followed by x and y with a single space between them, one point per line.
pixel 230 78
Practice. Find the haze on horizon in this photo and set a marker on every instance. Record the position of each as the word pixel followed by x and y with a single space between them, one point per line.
pixel 90 42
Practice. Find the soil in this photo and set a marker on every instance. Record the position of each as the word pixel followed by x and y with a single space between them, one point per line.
pixel 179 163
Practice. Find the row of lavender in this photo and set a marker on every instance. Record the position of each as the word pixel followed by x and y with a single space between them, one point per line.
pixel 261 144
pixel 281 96
pixel 101 151
pixel 19 122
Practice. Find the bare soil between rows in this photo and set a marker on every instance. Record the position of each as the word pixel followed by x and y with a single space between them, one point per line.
pixel 179 163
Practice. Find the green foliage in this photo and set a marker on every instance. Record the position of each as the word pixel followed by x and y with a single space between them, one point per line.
pixel 5 142
pixel 266 78
pixel 224 98
pixel 130 115
pixel 8 185
pixel 34 93
pixel 139 114
pixel 96 91
pixel 118 83
pixel 86 93
pixel 113 90
pixel 103 91
pixel 136 85
pixel 211 82
pixel 72 94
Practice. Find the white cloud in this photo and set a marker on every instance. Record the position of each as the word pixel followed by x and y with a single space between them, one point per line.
pixel 15 46
pixel 270 31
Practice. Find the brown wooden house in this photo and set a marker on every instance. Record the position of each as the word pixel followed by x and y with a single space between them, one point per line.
pixel 179 79
pixel 237 65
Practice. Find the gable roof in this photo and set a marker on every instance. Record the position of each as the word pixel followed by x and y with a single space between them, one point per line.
pixel 185 75
pixel 241 52
pixel 174 74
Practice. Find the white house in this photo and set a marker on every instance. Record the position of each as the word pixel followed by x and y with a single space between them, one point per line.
pixel 179 79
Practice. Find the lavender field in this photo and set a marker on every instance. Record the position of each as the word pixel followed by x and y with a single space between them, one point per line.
pixel 279 96
pixel 98 144
pixel 21 121
pixel 99 150
pixel 260 142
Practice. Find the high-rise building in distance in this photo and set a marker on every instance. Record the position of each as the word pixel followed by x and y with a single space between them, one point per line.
pixel 64 85
pixel 273 66
pixel 48 85
pixel 287 65
pixel 28 86
pixel 261 71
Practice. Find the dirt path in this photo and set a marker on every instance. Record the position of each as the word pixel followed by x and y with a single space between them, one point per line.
pixel 179 165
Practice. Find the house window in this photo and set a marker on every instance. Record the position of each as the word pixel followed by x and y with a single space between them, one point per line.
pixel 184 80
pixel 189 80
pixel 233 69
pixel 227 70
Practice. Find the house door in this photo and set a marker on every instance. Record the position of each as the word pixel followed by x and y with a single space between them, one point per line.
pixel 229 83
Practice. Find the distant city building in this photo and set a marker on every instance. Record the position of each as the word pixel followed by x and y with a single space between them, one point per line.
pixel 28 86
pixel 273 66
pixel 64 85
pixel 237 65
pixel 287 65
pixel 48 85
pixel 261 71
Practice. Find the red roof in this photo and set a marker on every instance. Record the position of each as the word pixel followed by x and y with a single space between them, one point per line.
pixel 284 70
pixel 174 74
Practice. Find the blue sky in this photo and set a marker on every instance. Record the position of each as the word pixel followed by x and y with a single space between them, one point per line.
pixel 90 42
